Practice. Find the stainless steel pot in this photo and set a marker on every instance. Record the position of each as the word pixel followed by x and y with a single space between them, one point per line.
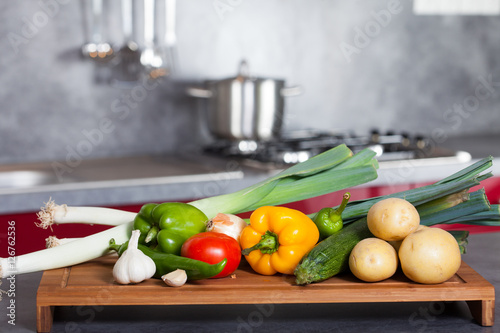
pixel 244 107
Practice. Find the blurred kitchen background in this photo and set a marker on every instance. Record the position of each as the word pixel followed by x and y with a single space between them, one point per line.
pixel 406 77
pixel 76 129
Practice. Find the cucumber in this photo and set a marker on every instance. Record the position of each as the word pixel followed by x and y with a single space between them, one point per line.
pixel 331 256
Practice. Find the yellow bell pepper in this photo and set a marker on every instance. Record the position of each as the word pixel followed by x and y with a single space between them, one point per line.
pixel 277 238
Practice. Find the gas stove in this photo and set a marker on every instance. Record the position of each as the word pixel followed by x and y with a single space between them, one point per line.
pixel 298 146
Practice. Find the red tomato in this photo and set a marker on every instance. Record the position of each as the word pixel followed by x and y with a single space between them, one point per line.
pixel 212 247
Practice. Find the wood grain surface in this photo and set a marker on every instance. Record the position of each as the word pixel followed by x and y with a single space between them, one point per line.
pixel 92 284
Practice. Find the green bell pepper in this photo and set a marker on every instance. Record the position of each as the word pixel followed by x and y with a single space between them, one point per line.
pixel 166 263
pixel 329 220
pixel 142 222
pixel 169 225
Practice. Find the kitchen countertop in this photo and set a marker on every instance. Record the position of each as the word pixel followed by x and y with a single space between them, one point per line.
pixel 122 181
pixel 482 255
pixel 135 180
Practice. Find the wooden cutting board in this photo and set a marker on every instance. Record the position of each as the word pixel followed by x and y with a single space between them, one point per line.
pixel 92 284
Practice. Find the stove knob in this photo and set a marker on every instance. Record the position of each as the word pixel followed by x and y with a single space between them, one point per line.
pixel 421 142
pixel 375 136
pixel 405 139
pixel 247 146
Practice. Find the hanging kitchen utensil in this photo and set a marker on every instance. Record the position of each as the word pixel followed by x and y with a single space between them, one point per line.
pixel 245 107
pixel 95 47
pixel 129 65
pixel 170 34
pixel 153 57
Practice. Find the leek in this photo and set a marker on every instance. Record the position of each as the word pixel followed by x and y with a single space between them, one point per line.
pixel 335 169
pixel 477 203
pixel 462 239
pixel 332 170
pixel 455 184
pixel 354 171
pixel 487 218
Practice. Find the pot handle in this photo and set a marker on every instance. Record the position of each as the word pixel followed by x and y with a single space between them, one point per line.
pixel 198 92
pixel 291 91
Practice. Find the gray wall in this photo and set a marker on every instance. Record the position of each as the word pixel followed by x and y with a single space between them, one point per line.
pixel 418 74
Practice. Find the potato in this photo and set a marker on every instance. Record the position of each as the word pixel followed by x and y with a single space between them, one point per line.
pixel 373 259
pixel 397 244
pixel 392 219
pixel 430 256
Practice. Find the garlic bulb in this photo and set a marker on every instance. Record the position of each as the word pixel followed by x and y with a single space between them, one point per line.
pixel 228 224
pixel 133 266
pixel 176 278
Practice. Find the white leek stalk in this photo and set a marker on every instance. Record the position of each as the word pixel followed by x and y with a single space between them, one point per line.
pixel 53 241
pixel 52 213
pixel 72 253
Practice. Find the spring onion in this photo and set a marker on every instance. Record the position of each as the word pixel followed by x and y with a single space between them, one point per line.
pixel 53 241
pixel 52 213
pixel 72 253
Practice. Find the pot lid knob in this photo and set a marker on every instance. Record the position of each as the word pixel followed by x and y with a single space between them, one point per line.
pixel 243 71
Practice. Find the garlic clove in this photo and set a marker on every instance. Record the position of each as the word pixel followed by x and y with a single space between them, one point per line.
pixel 176 278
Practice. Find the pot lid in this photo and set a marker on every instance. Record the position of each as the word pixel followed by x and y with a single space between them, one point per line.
pixel 244 75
